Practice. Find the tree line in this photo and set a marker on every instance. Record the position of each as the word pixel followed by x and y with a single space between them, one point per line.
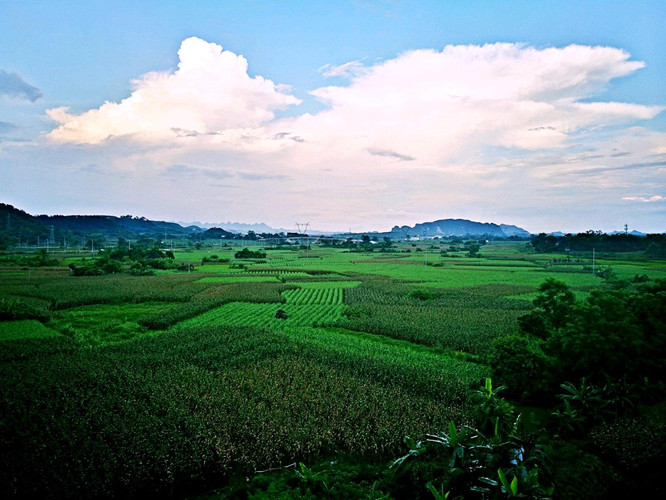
pixel 653 245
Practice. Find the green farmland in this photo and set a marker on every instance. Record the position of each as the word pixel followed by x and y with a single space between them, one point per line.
pixel 300 374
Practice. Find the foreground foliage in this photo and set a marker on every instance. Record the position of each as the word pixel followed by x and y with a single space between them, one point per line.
pixel 599 366
pixel 466 462
pixel 299 376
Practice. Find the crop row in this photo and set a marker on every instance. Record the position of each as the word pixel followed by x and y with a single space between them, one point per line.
pixel 212 297
pixel 245 314
pixel 275 271
pixel 422 371
pixel 457 328
pixel 65 292
pixel 327 284
pixel 239 279
pixel 307 296
pixel 394 293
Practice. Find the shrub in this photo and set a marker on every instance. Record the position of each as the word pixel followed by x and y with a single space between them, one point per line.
pixel 422 295
pixel 249 254
pixel 11 309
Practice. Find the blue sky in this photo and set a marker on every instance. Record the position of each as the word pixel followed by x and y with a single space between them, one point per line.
pixel 552 119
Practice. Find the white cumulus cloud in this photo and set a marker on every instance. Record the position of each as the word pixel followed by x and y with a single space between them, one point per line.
pixel 210 92
pixel 440 105
pixel 426 105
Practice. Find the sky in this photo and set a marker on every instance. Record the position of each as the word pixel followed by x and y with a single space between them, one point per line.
pixel 350 115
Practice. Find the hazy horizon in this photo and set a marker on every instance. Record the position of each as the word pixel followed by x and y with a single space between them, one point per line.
pixel 357 115
pixel 218 223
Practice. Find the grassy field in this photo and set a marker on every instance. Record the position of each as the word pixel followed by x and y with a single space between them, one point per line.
pixel 183 381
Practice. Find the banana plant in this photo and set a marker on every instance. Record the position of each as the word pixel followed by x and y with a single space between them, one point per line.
pixel 493 413
pixel 586 399
pixel 466 456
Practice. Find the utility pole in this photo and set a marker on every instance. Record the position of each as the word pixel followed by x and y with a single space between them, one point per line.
pixel 425 262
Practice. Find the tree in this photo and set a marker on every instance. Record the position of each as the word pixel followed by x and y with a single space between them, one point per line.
pixel 614 334
pixel 551 309
pixel 473 249
pixel 386 243
pixel 249 254
pixel 122 244
pixel 518 362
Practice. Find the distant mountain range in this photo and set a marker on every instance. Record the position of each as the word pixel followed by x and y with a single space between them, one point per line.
pixel 458 227
pixel 235 227
pixel 19 227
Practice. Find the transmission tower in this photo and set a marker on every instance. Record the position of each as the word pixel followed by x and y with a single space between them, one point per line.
pixel 302 228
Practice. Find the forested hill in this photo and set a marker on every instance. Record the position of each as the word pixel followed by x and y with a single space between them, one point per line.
pixel 109 223
pixel 18 227
pixel 16 224
pixel 459 227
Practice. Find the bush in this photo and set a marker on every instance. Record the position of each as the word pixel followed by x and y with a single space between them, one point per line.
pixel 422 295
pixel 249 254
pixel 11 309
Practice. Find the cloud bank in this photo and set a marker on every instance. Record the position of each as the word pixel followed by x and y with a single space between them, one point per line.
pixel 425 104
pixel 13 85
